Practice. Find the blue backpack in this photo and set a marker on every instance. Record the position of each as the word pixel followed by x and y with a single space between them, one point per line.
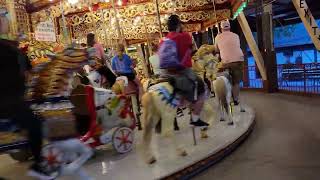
pixel 168 55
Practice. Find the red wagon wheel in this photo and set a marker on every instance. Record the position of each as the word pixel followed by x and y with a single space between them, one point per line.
pixel 52 157
pixel 122 140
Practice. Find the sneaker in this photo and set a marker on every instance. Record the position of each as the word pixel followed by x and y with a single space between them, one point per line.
pixel 180 113
pixel 40 172
pixel 199 123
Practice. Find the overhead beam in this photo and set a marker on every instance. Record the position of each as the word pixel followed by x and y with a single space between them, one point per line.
pixel 308 21
pixel 31 8
pixel 252 44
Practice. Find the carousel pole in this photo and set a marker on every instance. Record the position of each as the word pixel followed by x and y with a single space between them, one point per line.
pixel 111 40
pixel 146 60
pixel 194 42
pixel 64 26
pixel 216 21
pixel 159 18
pixel 13 19
pixel 117 22
pixel 105 27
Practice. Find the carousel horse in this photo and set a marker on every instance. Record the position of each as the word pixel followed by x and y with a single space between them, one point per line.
pixel 123 86
pixel 159 105
pixel 102 77
pixel 205 69
pixel 220 81
pixel 66 154
pixel 149 82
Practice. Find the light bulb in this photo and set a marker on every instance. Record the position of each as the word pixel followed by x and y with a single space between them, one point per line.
pixel 73 1
pixel 119 2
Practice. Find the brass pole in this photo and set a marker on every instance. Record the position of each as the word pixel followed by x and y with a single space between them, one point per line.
pixel 13 19
pixel 105 27
pixel 117 22
pixel 159 18
pixel 146 61
pixel 64 26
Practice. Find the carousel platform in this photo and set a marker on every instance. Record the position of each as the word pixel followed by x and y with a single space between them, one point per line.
pixel 108 164
pixel 222 140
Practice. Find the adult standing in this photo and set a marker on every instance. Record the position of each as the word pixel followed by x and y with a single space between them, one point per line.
pixel 228 44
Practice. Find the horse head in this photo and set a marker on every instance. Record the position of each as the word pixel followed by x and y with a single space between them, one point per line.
pixel 120 85
pixel 204 61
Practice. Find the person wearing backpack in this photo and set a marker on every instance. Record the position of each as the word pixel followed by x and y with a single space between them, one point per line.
pixel 175 60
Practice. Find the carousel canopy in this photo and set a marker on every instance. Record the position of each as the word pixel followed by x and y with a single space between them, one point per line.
pixel 137 18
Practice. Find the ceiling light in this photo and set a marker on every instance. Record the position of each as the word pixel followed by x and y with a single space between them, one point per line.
pixel 119 2
pixel 73 1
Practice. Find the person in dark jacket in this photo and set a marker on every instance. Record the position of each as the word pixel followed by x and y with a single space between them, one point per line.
pixel 14 66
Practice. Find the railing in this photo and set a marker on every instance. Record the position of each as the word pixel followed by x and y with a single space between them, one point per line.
pixel 251 78
pixel 303 78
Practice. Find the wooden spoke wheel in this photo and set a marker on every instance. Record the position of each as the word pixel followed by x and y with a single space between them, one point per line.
pixel 122 140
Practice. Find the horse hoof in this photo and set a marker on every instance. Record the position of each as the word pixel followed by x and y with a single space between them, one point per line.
pixel 176 128
pixel 230 123
pixel 151 160
pixel 222 119
pixel 242 110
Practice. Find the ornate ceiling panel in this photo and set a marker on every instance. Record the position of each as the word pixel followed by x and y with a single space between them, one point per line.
pixel 138 17
pixel 139 28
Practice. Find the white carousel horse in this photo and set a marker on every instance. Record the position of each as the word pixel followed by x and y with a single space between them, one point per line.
pixel 156 105
pixel 160 103
pixel 223 90
pixel 123 86
pixel 221 84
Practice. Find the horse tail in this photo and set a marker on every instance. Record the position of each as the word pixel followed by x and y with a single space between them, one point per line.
pixel 221 92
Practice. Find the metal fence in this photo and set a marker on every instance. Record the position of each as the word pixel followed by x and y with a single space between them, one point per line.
pixel 251 78
pixel 302 78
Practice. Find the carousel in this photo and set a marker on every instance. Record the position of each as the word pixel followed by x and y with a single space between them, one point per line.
pixel 130 137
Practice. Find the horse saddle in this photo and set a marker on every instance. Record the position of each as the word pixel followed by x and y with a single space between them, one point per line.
pixel 156 81
pixel 226 73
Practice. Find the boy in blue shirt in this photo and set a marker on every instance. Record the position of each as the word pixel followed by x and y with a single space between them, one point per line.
pixel 122 64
